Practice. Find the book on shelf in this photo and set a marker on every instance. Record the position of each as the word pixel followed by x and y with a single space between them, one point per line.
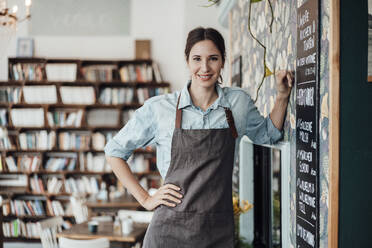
pixel 65 118
pixel 40 140
pixel 53 184
pixel 7 139
pixel 55 208
pixel 136 73
pixel 27 117
pixel 3 117
pixel 11 164
pixel 65 72
pixel 10 94
pixel 99 139
pixel 77 95
pixel 95 163
pixel 27 71
pixel 157 74
pixel 103 117
pixel 40 94
pixel 142 95
pixel 29 163
pixel 127 115
pixel 13 180
pixel 26 207
pixel 37 185
pixel 99 73
pixel 18 228
pixel 116 96
pixel 138 163
pixel 83 185
pixel 61 163
pixel 77 140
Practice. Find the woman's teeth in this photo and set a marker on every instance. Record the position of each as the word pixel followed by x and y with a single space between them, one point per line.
pixel 205 77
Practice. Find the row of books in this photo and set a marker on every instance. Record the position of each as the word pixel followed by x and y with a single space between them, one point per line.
pixel 56 162
pixel 116 95
pixel 10 94
pixel 61 163
pixel 47 94
pixel 145 93
pixel 67 72
pixel 74 140
pixel 84 185
pixel 18 228
pixel 99 73
pixel 53 184
pixel 44 140
pixel 24 163
pixel 27 71
pixel 34 117
pixel 136 73
pixel 25 207
pixel 40 140
pixel 65 118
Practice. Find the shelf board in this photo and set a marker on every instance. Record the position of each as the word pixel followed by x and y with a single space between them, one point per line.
pixel 138 151
pixel 33 216
pixel 76 172
pixel 20 239
pixel 114 83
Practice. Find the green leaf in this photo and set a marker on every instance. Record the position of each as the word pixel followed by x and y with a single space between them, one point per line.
pixel 255 1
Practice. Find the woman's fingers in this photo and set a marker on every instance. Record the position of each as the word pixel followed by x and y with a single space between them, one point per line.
pixel 172 186
pixel 171 198
pixel 164 202
pixel 169 192
pixel 173 192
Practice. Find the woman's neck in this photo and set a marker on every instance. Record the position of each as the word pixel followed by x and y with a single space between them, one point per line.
pixel 203 97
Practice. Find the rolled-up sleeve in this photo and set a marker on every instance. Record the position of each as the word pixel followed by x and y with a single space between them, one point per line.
pixel 259 129
pixel 138 132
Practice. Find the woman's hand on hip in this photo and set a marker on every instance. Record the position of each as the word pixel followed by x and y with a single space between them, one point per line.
pixel 284 81
pixel 166 192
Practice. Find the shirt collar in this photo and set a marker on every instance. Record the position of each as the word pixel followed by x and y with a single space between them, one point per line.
pixel 186 101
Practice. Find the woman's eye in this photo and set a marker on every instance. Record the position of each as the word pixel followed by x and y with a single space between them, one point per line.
pixel 197 59
pixel 214 58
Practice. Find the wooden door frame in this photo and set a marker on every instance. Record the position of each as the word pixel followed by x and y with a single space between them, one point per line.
pixel 334 123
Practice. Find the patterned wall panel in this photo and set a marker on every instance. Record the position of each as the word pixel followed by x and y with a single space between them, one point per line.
pixel 281 54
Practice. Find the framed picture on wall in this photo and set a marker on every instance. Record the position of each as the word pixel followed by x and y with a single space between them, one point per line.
pixel 25 47
pixel 236 72
pixel 369 41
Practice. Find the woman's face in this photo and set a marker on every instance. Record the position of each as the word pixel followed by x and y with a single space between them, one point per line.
pixel 205 63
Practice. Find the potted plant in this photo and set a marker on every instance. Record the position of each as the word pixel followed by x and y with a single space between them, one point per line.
pixel 240 208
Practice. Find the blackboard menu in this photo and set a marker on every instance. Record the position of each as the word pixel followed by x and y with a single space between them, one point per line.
pixel 307 126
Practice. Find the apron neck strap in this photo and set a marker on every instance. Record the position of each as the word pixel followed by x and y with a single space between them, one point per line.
pixel 178 114
pixel 228 113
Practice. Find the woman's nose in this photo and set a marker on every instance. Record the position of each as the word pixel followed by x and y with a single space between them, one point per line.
pixel 205 66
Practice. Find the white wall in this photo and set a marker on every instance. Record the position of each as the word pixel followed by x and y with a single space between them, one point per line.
pixel 165 22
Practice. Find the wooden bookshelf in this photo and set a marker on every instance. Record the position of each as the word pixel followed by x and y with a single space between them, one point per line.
pixel 127 92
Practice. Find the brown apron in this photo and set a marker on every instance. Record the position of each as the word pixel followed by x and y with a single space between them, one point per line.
pixel 201 165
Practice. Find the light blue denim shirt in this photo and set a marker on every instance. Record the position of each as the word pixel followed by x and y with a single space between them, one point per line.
pixel 154 122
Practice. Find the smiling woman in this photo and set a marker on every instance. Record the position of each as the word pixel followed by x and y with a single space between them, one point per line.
pixel 194 207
